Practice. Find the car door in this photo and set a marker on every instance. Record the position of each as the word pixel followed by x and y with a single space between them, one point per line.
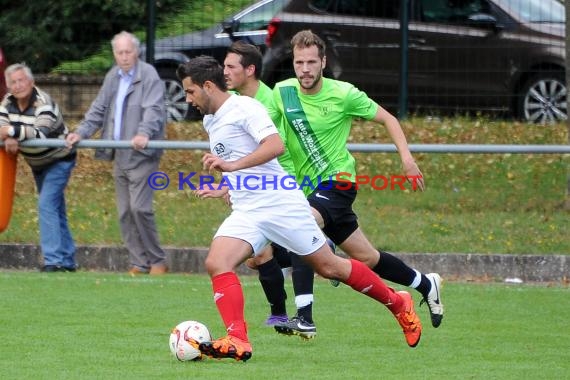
pixel 458 59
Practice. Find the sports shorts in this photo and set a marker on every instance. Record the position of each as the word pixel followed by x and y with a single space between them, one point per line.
pixel 335 206
pixel 288 222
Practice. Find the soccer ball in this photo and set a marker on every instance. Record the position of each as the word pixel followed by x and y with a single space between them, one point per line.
pixel 185 339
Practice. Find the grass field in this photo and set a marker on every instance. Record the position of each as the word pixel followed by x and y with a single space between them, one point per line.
pixel 111 326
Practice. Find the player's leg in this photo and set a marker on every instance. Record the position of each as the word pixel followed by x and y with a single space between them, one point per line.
pixel 361 278
pixel 393 269
pixel 428 285
pixel 272 281
pixel 356 274
pixel 234 242
pixel 225 254
pixel 332 245
pixel 334 208
pixel 302 323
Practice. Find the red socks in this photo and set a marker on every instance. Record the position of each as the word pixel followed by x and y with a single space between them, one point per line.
pixel 363 280
pixel 228 296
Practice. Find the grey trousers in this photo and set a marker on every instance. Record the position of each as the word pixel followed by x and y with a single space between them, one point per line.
pixel 136 214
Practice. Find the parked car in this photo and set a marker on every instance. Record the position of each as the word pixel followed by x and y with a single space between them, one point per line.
pixel 250 25
pixel 464 55
pixel 2 79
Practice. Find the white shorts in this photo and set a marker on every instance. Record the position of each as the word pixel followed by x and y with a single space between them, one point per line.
pixel 288 223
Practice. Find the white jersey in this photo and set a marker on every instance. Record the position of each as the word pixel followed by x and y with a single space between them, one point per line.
pixel 235 131
pixel 262 213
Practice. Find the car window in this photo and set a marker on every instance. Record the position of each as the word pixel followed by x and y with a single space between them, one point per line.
pixel 451 11
pixel 258 18
pixel 363 8
pixel 535 10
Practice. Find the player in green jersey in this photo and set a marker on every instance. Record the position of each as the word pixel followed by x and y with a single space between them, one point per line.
pixel 315 119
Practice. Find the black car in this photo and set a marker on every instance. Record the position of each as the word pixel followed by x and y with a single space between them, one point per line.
pixel 463 55
pixel 249 25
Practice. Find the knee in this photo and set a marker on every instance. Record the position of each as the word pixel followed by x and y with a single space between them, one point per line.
pixel 327 269
pixel 370 259
pixel 141 213
pixel 210 266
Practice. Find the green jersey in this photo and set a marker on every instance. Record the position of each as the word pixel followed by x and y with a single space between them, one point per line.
pixel 316 128
pixel 265 96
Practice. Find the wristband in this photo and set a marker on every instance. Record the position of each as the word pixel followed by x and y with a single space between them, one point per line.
pixel 11 132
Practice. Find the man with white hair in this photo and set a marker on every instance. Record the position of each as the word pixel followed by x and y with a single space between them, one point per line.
pixel 130 106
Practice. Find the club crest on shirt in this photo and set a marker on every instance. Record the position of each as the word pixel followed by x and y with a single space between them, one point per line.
pixel 219 149
pixel 325 109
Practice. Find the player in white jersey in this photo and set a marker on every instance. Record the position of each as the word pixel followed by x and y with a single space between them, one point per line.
pixel 245 143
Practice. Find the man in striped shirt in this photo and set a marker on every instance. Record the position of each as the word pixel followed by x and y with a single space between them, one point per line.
pixel 26 113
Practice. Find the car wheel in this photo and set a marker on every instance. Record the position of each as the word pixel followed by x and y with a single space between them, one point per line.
pixel 543 99
pixel 174 99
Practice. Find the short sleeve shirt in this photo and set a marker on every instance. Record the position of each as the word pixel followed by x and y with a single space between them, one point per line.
pixel 236 130
pixel 316 127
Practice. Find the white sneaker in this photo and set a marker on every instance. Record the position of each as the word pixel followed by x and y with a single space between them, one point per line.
pixel 433 299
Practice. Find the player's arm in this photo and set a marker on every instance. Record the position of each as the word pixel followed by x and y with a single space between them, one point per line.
pixel 411 169
pixel 269 147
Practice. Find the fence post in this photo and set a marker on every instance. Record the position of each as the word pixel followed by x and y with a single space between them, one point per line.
pixel 150 31
pixel 403 96
pixel 567 9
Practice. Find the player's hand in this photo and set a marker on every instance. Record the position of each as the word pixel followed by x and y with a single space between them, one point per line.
pixel 228 199
pixel 414 176
pixel 214 192
pixel 212 162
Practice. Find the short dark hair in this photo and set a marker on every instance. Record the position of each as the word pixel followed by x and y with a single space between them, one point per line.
pixel 201 69
pixel 305 39
pixel 250 55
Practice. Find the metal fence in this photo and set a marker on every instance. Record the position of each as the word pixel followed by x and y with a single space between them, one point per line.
pixel 378 148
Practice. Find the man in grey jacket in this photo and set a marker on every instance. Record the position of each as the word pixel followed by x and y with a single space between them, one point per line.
pixel 130 106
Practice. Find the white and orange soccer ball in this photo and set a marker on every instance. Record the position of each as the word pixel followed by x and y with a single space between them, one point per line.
pixel 185 339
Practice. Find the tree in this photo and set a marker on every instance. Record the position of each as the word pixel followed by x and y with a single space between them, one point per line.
pixel 42 35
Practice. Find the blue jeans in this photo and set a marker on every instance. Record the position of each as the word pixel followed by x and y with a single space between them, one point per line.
pixel 56 241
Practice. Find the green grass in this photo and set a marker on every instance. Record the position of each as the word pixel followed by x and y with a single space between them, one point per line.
pixel 474 203
pixel 110 326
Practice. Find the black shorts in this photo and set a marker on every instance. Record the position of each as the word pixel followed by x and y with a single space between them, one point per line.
pixel 335 206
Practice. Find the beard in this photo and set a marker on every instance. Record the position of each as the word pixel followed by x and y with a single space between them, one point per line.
pixel 313 83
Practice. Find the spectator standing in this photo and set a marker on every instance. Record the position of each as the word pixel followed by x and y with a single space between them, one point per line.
pixel 130 106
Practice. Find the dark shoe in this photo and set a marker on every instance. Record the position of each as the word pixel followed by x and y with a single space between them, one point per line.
pixel 52 268
pixel 57 268
pixel 297 326
pixel 273 320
